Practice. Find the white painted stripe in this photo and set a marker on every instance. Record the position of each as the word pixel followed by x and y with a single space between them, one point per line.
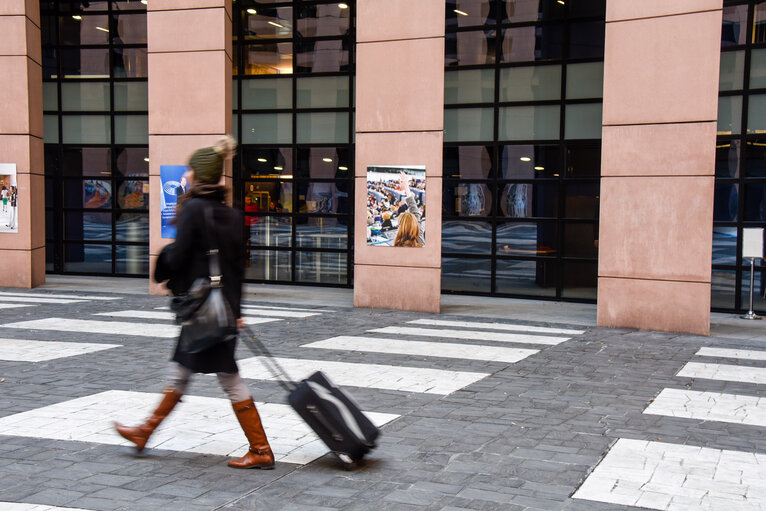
pixel 709 406
pixel 658 475
pixel 14 305
pixel 377 376
pixel 496 326
pixel 202 425
pixel 98 327
pixel 23 350
pixel 256 306
pixel 424 349
pixel 471 335
pixel 253 311
pixel 144 314
pixel 731 353
pixel 71 297
pixel 724 372
pixel 16 506
pixel 29 299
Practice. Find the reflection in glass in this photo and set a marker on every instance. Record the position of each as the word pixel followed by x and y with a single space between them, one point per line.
pixel 539 122
pixel 734 28
pixel 268 23
pixel 585 81
pixel 129 29
pixel 586 40
pixel 759 23
pixel 83 96
pixel 533 10
pixel 729 115
pixel 84 63
pixel 584 161
pixel 757 69
pixel 268 59
pixel 580 240
pixel 759 285
pixel 267 93
pixel 267 197
pixel 321 267
pixel 727 159
pixel 132 227
pixel 580 280
pixel 267 162
pixel 530 83
pixel 756 113
pixel 755 202
pixel 323 198
pixel 324 162
pixel 267 129
pixel 322 92
pixel 529 161
pixel 466 237
pixel 725 202
pixel 88 258
pixel 322 128
pixel 268 265
pixel 477 47
pixel 131 96
pixel 323 20
pixel 467 199
pixel 325 233
pixel 470 13
pixel 582 121
pixel 471 275
pixel 130 62
pixel 132 161
pixel 724 245
pixel 587 8
pixel 527 239
pixel 96 193
pixel 581 199
pixel 90 29
pixel 468 124
pixel 86 129
pixel 469 86
pixel 133 194
pixel 468 162
pixel 132 259
pixel 529 278
pixel 87 226
pixel 266 231
pixel 533 43
pixel 86 161
pixel 131 129
pixel 321 56
pixel 530 200
pixel 723 288
pixel 733 70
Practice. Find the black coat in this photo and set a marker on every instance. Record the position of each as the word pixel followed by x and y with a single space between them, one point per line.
pixel 185 260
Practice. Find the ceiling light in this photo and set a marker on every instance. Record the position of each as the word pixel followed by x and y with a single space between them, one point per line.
pixel 342 168
pixel 343 6
pixel 276 24
pixel 277 168
pixel 144 2
pixel 525 158
pixel 555 175
pixel 539 168
pixel 327 160
pixel 462 13
pixel 561 2
pixel 262 160
pixel 146 159
pixel 251 11
pixel 103 29
pixel 77 17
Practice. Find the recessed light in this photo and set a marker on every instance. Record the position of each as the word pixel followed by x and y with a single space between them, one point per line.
pixel 555 175
pixel 462 13
pixel 77 17
pixel 539 168
pixel 262 160
pixel 144 2
pixel 525 158
pixel 342 168
pixel 561 2
pixel 146 159
pixel 252 11
pixel 343 6
pixel 327 160
pixel 276 24
pixel 103 29
pixel 277 168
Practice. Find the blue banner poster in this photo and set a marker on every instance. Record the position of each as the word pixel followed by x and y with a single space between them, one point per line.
pixel 173 185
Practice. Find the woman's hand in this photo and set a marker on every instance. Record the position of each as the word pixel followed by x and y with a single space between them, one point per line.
pixel 240 323
pixel 404 183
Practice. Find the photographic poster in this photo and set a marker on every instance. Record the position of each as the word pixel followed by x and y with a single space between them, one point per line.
pixel 173 186
pixel 9 198
pixel 396 206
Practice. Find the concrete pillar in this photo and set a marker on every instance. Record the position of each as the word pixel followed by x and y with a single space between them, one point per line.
pixel 21 140
pixel 190 66
pixel 399 121
pixel 658 164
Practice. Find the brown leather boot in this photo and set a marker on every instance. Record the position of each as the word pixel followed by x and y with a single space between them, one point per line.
pixel 140 434
pixel 259 455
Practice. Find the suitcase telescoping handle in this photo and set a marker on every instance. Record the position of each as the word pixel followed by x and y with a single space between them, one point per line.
pixel 258 348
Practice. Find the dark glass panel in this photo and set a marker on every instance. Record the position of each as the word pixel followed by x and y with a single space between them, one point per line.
pixel 468 162
pixel 724 245
pixel 586 40
pixel 130 62
pixel 268 59
pixel 755 158
pixel 87 226
pixel 471 13
pixel 50 63
pixel 48 29
pixel 77 6
pixel 87 258
pixel 530 200
pixel 50 228
pixel 268 231
pixel 49 192
pixel 586 8
pixel 322 233
pixel 580 240
pixel 759 23
pixel 132 227
pixel 129 29
pixel 467 199
pixel 472 275
pixel 52 161
pixel 734 29
pixel 133 194
pixel 726 202
pixel 532 43
pixel 322 197
pixel 723 288
pixel 529 161
pixel 727 159
pixel 531 10
pixel 268 197
pixel 476 47
pixel 323 20
pixel 50 251
pixel 755 202
pixel 267 162
pixel 321 267
pixel 324 163
pixel 529 278
pixel 583 161
pixel 581 200
pixel 132 259
pixel 268 265
pixel 79 30
pixel 466 237
pixel 529 239
pixel 84 63
pixel 759 287
pixel 321 56
pixel 86 161
pixel 132 161
pixel 266 22
pixel 580 280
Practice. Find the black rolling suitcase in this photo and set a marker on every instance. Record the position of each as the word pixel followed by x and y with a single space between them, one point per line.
pixel 327 409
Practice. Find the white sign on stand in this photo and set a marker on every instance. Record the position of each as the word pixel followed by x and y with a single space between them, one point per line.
pixel 752 243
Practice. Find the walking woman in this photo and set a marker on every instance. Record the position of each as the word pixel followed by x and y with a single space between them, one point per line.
pixel 181 263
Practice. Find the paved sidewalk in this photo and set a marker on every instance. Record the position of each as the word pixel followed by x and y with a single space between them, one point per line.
pixel 491 405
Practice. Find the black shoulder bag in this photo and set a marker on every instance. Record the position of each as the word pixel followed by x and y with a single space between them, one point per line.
pixel 203 312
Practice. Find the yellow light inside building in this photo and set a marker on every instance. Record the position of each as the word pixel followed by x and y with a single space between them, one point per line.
pixel 525 158
pixel 251 11
pixel 342 168
pixel 276 24
pixel 262 160
pixel 539 168
pixel 277 168
pixel 77 17
pixel 462 13
pixel 343 6
pixel 327 160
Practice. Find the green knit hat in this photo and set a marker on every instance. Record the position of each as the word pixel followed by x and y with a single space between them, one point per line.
pixel 207 163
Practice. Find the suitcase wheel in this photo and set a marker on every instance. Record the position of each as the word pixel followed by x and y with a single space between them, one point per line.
pixel 348 462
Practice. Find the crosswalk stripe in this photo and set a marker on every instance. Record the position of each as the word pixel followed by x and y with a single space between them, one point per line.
pixel 660 475
pixel 72 297
pixel 17 506
pixel 144 314
pixel 23 350
pixel 724 372
pixel 98 327
pixel 300 309
pixel 731 353
pixel 277 313
pixel 709 406
pixel 495 326
pixel 379 376
pixel 426 349
pixel 471 335
pixel 14 305
pixel 202 425
pixel 29 299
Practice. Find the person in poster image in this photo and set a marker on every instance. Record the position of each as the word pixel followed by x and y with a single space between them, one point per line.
pixel 13 201
pixel 183 262
pixel 412 229
pixel 5 195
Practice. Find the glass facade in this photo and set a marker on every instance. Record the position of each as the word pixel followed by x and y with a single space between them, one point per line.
pixel 740 172
pixel 96 137
pixel 522 147
pixel 293 116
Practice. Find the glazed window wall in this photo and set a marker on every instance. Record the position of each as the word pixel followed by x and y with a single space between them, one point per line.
pixel 740 172
pixel 522 147
pixel 96 137
pixel 293 116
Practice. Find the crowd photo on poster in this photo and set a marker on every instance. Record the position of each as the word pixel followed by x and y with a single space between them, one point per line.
pixel 9 198
pixel 396 206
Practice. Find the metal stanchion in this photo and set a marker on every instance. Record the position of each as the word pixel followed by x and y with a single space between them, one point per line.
pixel 750 314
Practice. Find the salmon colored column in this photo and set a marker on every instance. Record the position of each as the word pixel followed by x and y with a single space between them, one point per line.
pixel 190 66
pixel 21 140
pixel 658 164
pixel 399 121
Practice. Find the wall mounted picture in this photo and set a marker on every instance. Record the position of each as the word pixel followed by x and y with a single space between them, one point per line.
pixel 173 186
pixel 396 206
pixel 9 198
